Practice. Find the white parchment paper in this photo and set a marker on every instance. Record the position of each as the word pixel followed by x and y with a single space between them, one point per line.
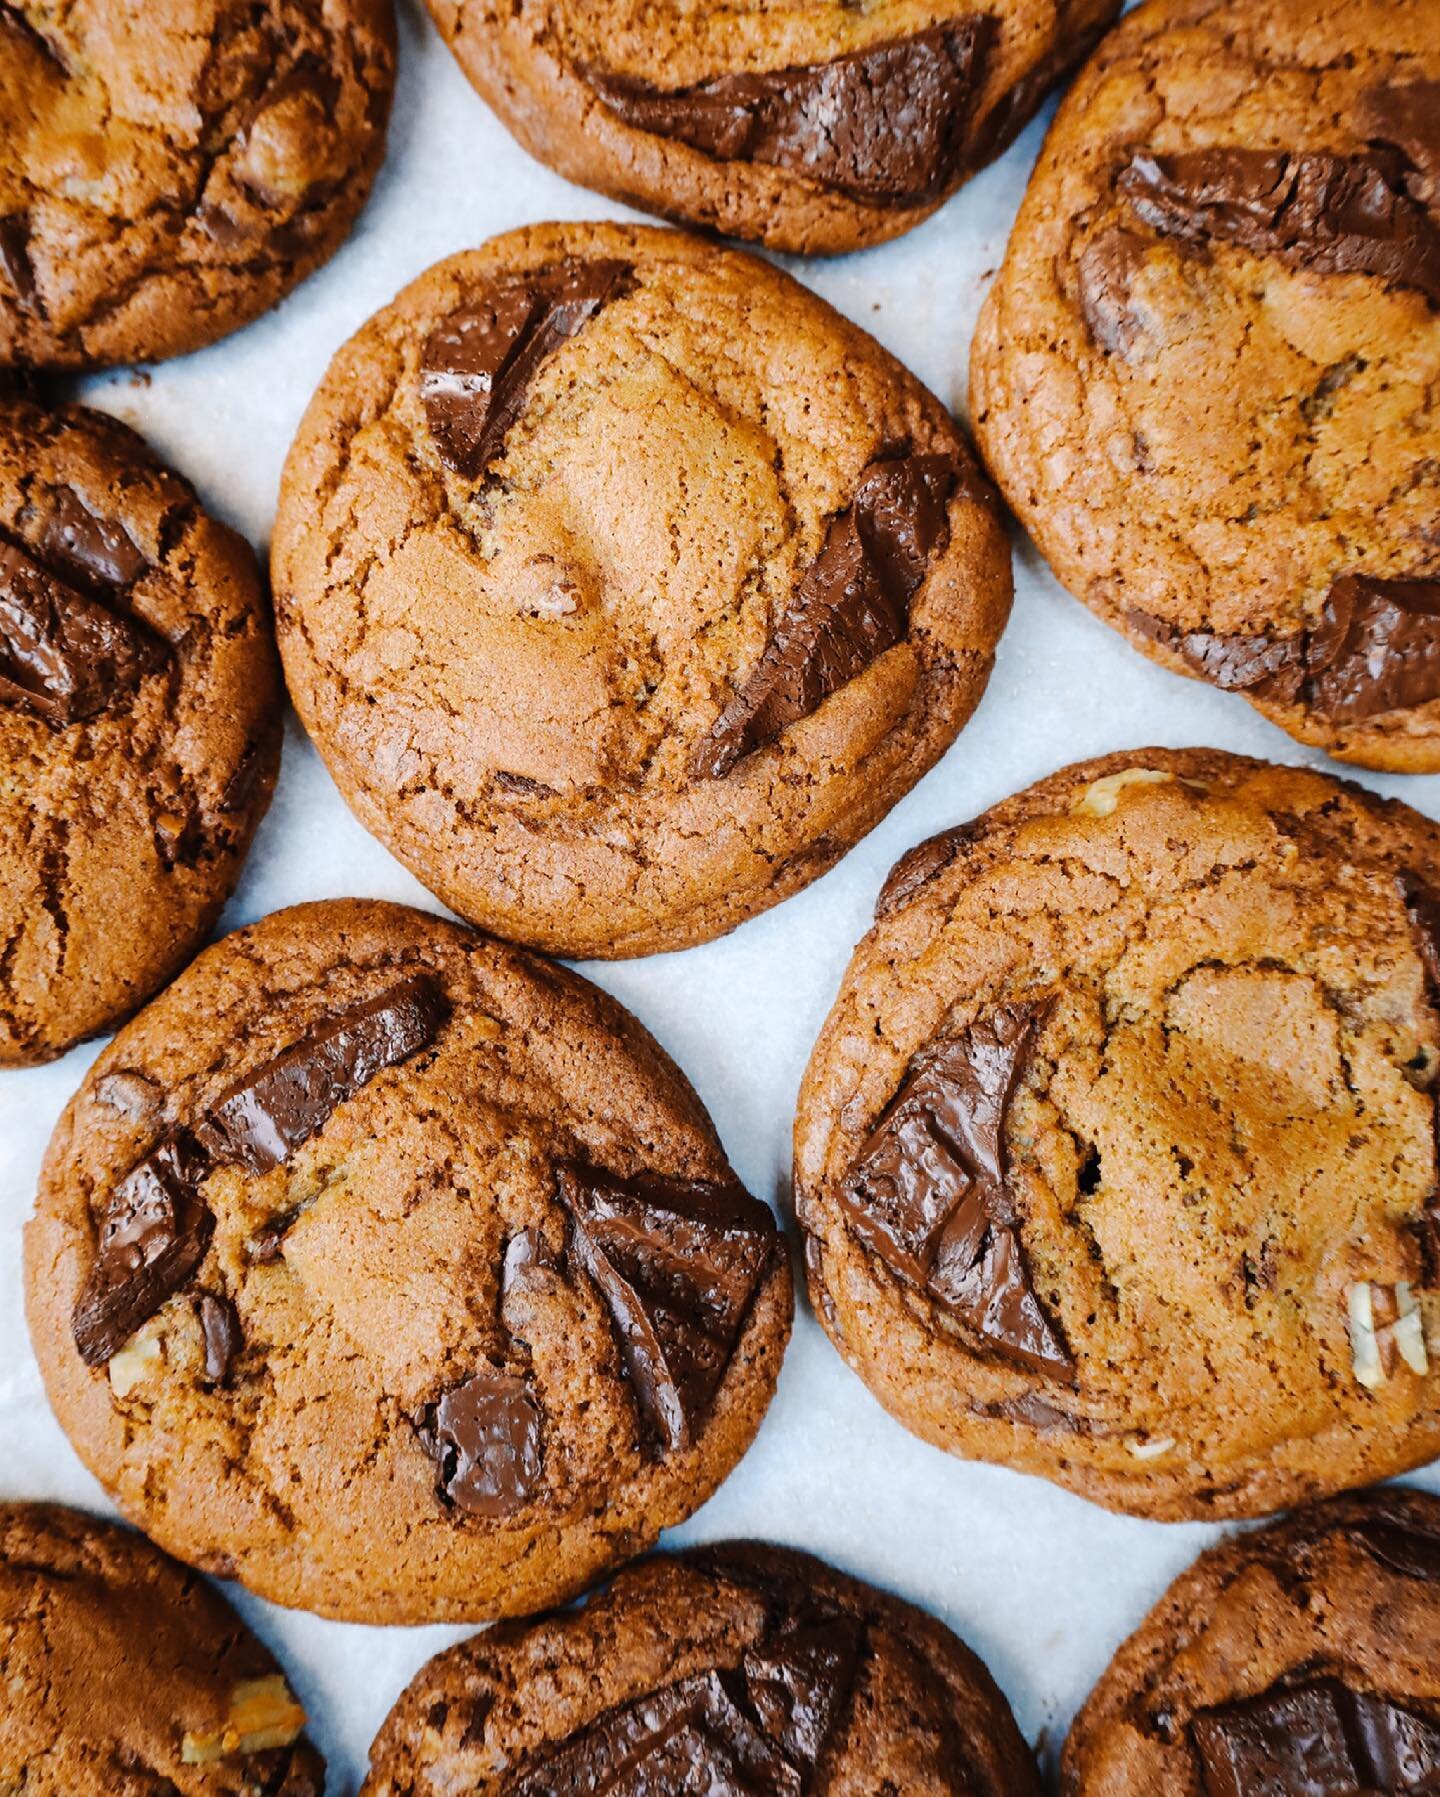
pixel 1041 1584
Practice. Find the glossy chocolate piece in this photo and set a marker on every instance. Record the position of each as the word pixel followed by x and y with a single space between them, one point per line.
pixel 486 1435
pixel 1406 116
pixel 929 1193
pixel 917 867
pixel 852 605
pixel 220 1327
pixel 477 365
pixel 1105 274
pixel 886 125
pixel 89 548
pixel 1404 1547
pixel 678 1265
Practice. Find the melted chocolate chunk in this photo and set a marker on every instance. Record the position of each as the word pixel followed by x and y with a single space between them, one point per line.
pixel 1105 274
pixel 62 655
pixel 1403 1546
pixel 851 606
pixel 266 1115
pixel 678 1265
pixel 1423 907
pixel 478 364
pixel 1407 118
pixel 930 1194
pixel 917 867
pixel 15 258
pixel 220 1327
pixel 486 1437
pixel 91 548
pixel 1308 209
pixel 885 125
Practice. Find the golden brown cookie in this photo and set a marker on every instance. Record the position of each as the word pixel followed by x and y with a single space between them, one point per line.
pixel 139 723
pixel 728 1669
pixel 1116 1156
pixel 814 128
pixel 399 1274
pixel 126 1675
pixel 1206 377
pixel 169 172
pixel 1295 1662
pixel 623 585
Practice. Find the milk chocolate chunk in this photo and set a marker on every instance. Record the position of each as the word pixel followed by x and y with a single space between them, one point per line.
pixel 62 655
pixel 886 125
pixel 929 1193
pixel 477 365
pixel 153 1235
pixel 487 1438
pixel 1407 117
pixel 266 1115
pixel 87 546
pixel 1105 275
pixel 1308 209
pixel 1316 1740
pixel 851 605
pixel 220 1327
pixel 678 1265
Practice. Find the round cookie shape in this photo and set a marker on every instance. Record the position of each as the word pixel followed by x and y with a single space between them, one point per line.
pixel 733 1667
pixel 1116 1155
pixel 814 128
pixel 1206 376
pixel 126 1673
pixel 623 585
pixel 1298 1660
pixel 169 173
pixel 399 1274
pixel 140 696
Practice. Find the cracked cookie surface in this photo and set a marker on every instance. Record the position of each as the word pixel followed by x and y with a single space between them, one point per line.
pixel 125 1674
pixel 140 697
pixel 1116 1155
pixel 398 1273
pixel 623 585
pixel 1299 1659
pixel 1206 376
pixel 812 125
pixel 731 1667
pixel 168 173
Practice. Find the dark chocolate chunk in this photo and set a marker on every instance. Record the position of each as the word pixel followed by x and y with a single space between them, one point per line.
pixel 1402 1546
pixel 917 867
pixel 852 605
pixel 929 1192
pixel 153 1235
pixel 886 125
pixel 220 1326
pixel 799 1679
pixel 678 1264
pixel 1423 907
pixel 62 655
pixel 15 258
pixel 1407 117
pixel 477 364
pixel 260 1120
pixel 89 547
pixel 1105 274
pixel 1308 209
pixel 486 1437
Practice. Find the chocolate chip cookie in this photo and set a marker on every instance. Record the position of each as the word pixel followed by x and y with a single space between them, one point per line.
pixel 1296 1662
pixel 169 172
pixel 1207 376
pixel 399 1274
pixel 623 585
pixel 140 699
pixel 1116 1157
pixel 730 1668
pixel 816 128
pixel 124 1673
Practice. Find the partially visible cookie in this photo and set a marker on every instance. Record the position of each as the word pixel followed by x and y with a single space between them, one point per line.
pixel 1116 1156
pixel 1296 1662
pixel 1207 376
pixel 169 172
pixel 399 1274
pixel 732 1668
pixel 816 128
pixel 623 585
pixel 126 1675
pixel 139 723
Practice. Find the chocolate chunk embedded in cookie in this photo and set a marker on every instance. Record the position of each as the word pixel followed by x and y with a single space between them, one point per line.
pixel 1206 376
pixel 126 1673
pixel 731 1668
pixel 399 1274
pixel 1295 1662
pixel 139 724
pixel 1116 1156
pixel 624 586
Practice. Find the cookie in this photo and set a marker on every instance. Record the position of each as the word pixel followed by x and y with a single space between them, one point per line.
pixel 399 1274
pixel 1116 1156
pixel 1295 1662
pixel 140 698
pixel 169 173
pixel 730 1668
pixel 816 129
pixel 623 585
pixel 1207 376
pixel 125 1674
